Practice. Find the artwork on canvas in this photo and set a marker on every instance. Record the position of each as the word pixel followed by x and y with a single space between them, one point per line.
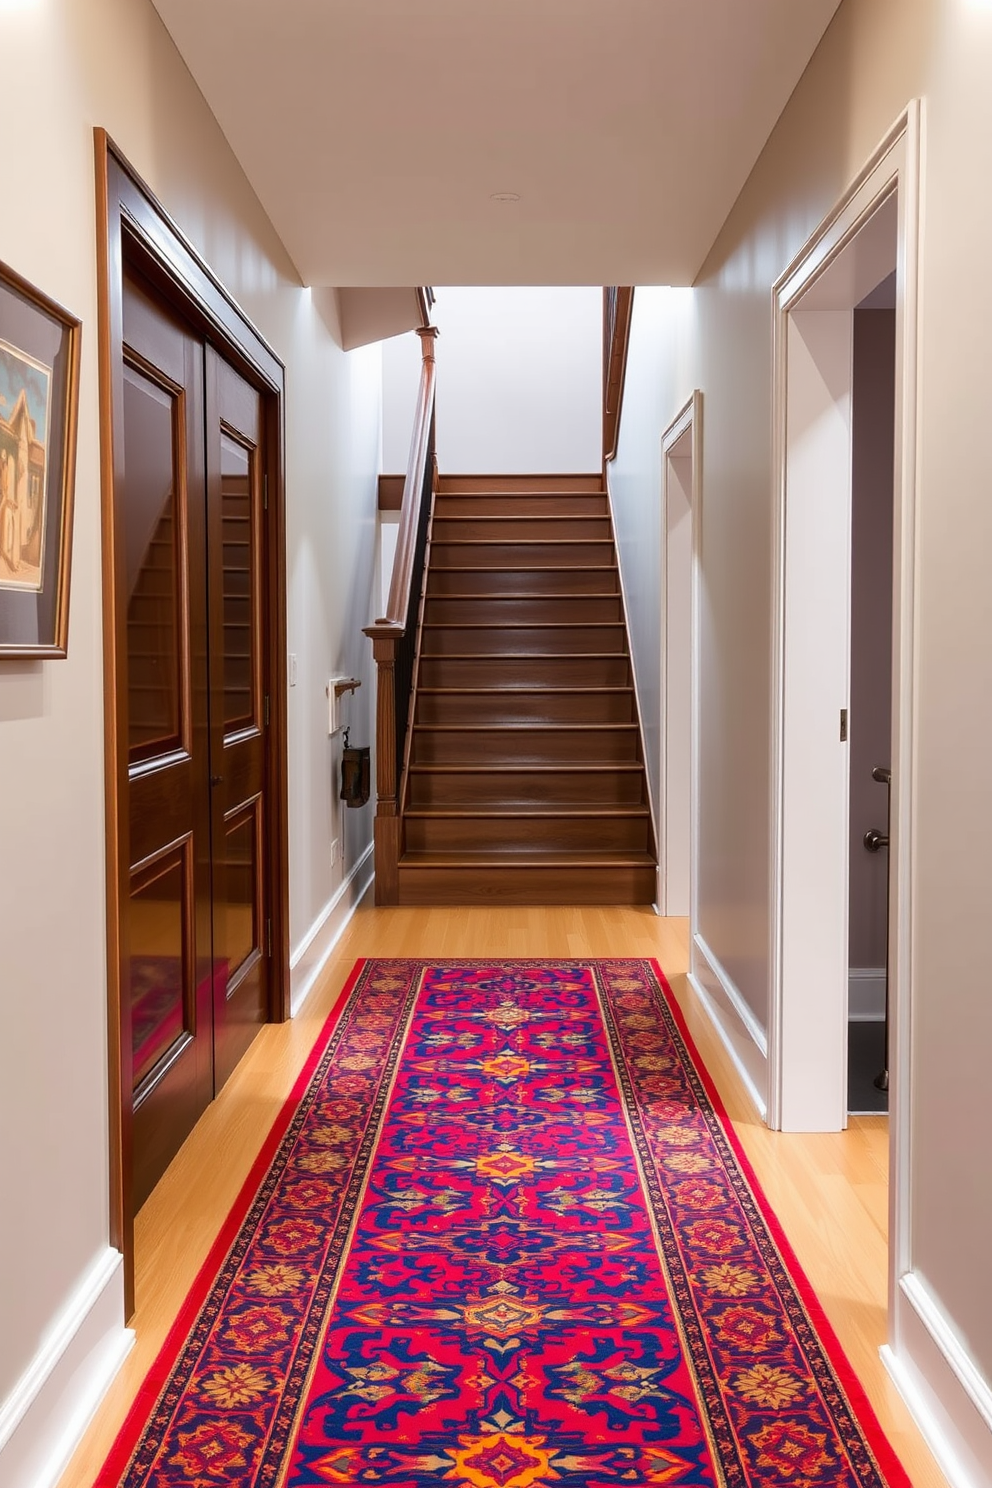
pixel 39 400
pixel 25 421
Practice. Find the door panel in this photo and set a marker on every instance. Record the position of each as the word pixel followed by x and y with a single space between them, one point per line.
pixel 166 926
pixel 235 461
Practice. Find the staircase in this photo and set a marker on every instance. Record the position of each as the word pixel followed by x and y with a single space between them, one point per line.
pixel 525 781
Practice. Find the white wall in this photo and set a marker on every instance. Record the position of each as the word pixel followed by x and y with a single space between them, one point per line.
pixel 519 380
pixel 875 57
pixel 661 376
pixel 402 359
pixel 80 63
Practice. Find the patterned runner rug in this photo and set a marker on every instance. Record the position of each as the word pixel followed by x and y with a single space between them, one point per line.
pixel 502 1237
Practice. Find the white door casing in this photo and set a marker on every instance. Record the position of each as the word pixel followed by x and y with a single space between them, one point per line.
pixel 680 534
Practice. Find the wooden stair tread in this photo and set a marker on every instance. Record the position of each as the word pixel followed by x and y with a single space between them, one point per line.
pixel 524 493
pixel 521 517
pixel 511 858
pixel 609 568
pixel 503 767
pixel 523 655
pixel 508 542
pixel 527 726
pixel 525 625
pixel 513 688
pixel 536 813
pixel 501 597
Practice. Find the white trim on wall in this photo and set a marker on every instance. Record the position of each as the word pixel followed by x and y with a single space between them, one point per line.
pixel 866 994
pixel 652 803
pixel 689 420
pixel 53 1402
pixel 891 173
pixel 948 1397
pixel 313 952
pixel 739 1030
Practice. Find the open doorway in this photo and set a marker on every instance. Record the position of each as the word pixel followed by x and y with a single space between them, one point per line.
pixel 680 527
pixel 861 262
pixel 870 727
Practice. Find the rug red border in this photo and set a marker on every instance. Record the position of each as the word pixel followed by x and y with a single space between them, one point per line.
pixel 861 1406
pixel 150 1388
pixel 148 1391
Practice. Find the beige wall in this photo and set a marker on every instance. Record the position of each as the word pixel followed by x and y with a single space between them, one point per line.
pixel 875 57
pixel 71 65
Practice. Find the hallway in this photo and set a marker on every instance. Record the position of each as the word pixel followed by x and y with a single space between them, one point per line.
pixel 829 1191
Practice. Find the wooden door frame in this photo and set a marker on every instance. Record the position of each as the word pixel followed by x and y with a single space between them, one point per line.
pixel 133 227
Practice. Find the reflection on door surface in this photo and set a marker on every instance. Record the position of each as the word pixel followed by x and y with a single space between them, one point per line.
pixel 190 505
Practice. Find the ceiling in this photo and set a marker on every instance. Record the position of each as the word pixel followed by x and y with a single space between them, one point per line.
pixel 375 132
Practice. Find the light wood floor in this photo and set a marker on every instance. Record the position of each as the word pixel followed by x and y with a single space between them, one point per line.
pixel 830 1192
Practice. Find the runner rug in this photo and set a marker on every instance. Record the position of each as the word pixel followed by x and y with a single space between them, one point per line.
pixel 503 1237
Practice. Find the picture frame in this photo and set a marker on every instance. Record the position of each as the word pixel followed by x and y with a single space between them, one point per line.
pixel 39 404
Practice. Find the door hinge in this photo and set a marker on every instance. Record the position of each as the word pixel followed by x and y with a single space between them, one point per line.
pixel 266 710
pixel 268 933
pixel 843 725
pixel 265 491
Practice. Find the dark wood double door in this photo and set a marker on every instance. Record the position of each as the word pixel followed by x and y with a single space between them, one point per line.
pixel 191 580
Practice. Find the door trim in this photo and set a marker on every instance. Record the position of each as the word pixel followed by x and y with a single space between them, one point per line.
pixel 689 420
pixel 894 168
pixel 132 227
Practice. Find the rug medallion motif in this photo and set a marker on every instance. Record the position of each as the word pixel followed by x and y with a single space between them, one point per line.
pixel 505 1241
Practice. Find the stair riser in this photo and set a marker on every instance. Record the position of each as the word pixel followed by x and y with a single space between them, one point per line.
pixel 561 610
pixel 514 834
pixel 535 504
pixel 515 485
pixel 526 671
pixel 550 788
pixel 536 707
pixel 519 529
pixel 496 581
pixel 502 555
pixel 507 640
pixel 509 885
pixel 524 746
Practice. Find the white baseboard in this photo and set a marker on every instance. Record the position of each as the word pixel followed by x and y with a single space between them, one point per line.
pixel 866 994
pixel 45 1415
pixel 740 1032
pixel 948 1396
pixel 311 955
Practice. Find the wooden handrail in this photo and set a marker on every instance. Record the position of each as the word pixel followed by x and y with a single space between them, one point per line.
pixel 618 304
pixel 392 642
pixel 398 602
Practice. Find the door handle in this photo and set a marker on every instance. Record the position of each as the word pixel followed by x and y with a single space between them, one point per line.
pixel 216 780
pixel 874 840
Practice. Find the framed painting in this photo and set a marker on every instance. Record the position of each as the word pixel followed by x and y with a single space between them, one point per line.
pixel 39 395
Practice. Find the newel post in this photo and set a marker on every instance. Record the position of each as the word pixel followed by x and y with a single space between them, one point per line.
pixel 386 828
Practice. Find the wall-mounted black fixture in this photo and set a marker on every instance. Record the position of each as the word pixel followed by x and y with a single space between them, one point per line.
pixel 356 773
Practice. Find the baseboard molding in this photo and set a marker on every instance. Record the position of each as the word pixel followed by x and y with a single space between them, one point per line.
pixel 50 1407
pixel 866 994
pixel 948 1396
pixel 740 1032
pixel 312 954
